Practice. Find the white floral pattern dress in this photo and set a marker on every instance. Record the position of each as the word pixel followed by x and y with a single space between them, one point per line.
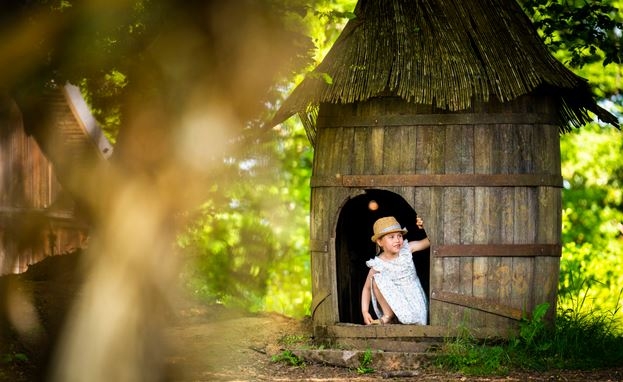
pixel 398 282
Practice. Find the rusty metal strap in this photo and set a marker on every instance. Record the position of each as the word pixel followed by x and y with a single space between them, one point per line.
pixel 318 299
pixel 478 303
pixel 441 120
pixel 438 180
pixel 497 250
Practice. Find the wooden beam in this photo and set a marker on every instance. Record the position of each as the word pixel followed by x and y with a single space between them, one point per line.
pixel 497 250
pixel 411 332
pixel 482 304
pixel 438 180
pixel 440 120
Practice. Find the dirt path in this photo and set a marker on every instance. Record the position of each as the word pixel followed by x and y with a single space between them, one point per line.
pixel 206 347
pixel 205 343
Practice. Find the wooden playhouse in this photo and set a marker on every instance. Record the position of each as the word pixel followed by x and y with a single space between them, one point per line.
pixel 450 110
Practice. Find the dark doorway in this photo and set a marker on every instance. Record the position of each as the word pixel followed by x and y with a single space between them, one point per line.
pixel 354 247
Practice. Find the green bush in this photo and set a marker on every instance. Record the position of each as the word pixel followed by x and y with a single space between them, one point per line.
pixel 579 339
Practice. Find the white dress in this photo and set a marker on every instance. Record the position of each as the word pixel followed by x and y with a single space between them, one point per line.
pixel 398 282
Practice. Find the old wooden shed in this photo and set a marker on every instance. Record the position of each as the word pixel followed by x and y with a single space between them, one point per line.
pixel 38 216
pixel 452 109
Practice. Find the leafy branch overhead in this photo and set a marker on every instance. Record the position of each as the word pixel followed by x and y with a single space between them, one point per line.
pixel 590 31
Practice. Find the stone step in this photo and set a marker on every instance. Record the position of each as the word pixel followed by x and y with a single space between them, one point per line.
pixel 396 364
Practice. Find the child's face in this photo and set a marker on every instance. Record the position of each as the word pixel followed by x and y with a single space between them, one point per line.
pixel 391 243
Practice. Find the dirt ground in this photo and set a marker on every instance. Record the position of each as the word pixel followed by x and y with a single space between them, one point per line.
pixel 206 343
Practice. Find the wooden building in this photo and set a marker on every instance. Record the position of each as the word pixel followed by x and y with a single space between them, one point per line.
pixel 38 217
pixel 450 110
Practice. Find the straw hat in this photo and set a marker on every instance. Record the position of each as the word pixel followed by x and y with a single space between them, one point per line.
pixel 386 225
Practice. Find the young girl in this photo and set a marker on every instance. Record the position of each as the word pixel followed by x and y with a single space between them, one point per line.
pixel 392 283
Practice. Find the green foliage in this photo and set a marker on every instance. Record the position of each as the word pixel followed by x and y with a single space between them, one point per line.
pixel 248 245
pixel 587 31
pixel 582 337
pixel 289 358
pixel 468 356
pixel 579 339
pixel 530 329
pixel 586 336
pixel 592 216
pixel 290 340
pixel 13 357
pixel 365 362
pixel 267 190
pixel 232 251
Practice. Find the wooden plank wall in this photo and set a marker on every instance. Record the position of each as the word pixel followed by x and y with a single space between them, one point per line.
pixel 375 138
pixel 31 227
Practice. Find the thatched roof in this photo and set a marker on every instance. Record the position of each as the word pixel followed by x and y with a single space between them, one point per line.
pixel 446 53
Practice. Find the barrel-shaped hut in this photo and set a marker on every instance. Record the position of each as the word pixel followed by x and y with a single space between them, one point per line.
pixel 451 111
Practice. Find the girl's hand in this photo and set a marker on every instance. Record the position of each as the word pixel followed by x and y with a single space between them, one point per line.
pixel 367 318
pixel 419 223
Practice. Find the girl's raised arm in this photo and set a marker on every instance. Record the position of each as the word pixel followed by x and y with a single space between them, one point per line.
pixel 419 245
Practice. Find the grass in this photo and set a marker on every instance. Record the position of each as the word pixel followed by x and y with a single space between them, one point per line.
pixel 365 362
pixel 13 358
pixel 581 338
pixel 289 358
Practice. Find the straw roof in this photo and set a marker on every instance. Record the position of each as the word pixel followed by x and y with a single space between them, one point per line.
pixel 446 53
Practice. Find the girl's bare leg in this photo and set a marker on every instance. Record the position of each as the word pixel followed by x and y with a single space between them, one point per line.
pixel 388 313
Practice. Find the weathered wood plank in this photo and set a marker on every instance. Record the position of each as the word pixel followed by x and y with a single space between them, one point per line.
pixel 496 250
pixel 496 221
pixel 434 149
pixel 374 155
pixel 466 161
pixel 359 151
pixel 546 270
pixel 482 205
pixel 320 267
pixel 437 180
pixel 406 331
pixel 524 232
pixel 441 120
pixel 491 306
pixel 453 212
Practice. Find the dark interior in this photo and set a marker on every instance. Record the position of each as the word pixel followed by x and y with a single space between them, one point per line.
pixel 354 246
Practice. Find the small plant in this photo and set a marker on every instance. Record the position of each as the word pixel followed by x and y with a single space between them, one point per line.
pixel 470 357
pixel 13 357
pixel 365 362
pixel 531 329
pixel 289 340
pixel 288 357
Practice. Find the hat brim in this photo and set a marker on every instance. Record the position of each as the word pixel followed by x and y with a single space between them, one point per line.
pixel 380 235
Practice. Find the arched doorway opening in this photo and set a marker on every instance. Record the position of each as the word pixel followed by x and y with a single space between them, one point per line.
pixel 354 247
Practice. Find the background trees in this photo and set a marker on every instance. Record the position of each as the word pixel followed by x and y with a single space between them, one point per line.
pixel 587 37
pixel 183 86
pixel 584 35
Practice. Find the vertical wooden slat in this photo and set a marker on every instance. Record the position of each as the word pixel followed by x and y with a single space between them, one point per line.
pixel 453 212
pixel 343 272
pixel 508 164
pixel 549 213
pixel 326 160
pixel 467 211
pixel 434 149
pixel 482 204
pixel 496 223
